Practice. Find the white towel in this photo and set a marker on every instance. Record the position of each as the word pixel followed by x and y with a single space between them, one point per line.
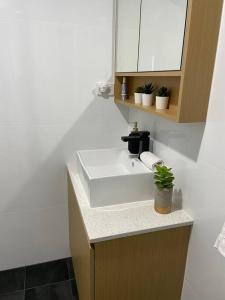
pixel 220 242
pixel 150 160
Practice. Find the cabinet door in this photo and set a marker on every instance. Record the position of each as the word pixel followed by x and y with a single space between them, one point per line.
pixel 127 35
pixel 162 34
pixel 143 267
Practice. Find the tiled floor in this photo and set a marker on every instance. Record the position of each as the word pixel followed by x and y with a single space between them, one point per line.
pixel 48 281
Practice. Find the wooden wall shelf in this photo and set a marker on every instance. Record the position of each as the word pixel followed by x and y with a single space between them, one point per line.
pixel 154 74
pixel 170 113
pixel 173 82
pixel 190 87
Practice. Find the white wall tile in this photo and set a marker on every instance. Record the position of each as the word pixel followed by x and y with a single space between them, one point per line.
pixel 33 236
pixel 12 237
pixel 52 53
pixel 47 236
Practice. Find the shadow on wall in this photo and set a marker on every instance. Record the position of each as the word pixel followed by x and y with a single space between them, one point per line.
pixel 185 139
pixel 95 128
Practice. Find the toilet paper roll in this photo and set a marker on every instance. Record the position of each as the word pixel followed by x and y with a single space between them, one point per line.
pixel 150 160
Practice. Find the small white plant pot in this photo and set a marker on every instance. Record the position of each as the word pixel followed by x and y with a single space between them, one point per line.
pixel 147 99
pixel 161 102
pixel 137 98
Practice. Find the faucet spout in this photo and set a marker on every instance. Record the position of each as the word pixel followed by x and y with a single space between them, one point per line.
pixel 130 138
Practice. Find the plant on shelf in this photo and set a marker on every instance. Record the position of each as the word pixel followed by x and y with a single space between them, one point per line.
pixel 162 98
pixel 140 90
pixel 164 182
pixel 138 94
pixel 163 92
pixel 147 97
pixel 149 88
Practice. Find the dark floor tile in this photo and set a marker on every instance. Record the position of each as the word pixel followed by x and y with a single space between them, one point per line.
pixel 70 268
pixel 58 291
pixel 13 296
pixel 74 289
pixel 46 273
pixel 12 280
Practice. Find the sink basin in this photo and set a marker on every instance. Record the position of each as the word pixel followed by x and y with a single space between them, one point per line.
pixel 113 176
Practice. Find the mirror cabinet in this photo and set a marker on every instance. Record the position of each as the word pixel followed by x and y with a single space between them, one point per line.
pixel 170 43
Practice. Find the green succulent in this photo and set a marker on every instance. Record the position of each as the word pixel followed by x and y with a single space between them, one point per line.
pixel 149 88
pixel 163 92
pixel 140 90
pixel 163 177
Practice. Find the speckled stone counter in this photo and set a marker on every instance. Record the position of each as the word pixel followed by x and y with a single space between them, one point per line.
pixel 111 222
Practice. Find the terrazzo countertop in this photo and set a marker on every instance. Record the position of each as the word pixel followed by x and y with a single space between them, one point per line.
pixel 111 222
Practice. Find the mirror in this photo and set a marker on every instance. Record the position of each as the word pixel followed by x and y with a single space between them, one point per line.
pixel 150 35
pixel 127 35
pixel 162 34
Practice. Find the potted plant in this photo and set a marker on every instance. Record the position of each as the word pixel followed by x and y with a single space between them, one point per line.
pixel 147 97
pixel 138 95
pixel 163 189
pixel 162 98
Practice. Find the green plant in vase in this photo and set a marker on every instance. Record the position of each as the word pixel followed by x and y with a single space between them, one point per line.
pixel 162 98
pixel 164 182
pixel 138 94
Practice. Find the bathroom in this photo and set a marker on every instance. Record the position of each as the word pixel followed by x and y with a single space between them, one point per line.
pixel 60 93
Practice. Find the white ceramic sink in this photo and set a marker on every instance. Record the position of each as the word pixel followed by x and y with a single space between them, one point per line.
pixel 113 176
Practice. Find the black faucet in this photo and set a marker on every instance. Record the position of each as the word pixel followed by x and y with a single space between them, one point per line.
pixel 138 141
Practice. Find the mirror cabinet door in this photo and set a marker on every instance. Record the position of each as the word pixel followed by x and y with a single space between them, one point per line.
pixel 127 35
pixel 162 35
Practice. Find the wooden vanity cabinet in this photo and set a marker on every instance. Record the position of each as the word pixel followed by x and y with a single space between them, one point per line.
pixel 141 267
pixel 82 251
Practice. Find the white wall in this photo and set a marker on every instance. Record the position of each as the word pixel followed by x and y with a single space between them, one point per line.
pixel 197 154
pixel 52 53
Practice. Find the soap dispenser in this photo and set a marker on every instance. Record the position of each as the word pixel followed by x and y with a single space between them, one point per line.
pixel 138 141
